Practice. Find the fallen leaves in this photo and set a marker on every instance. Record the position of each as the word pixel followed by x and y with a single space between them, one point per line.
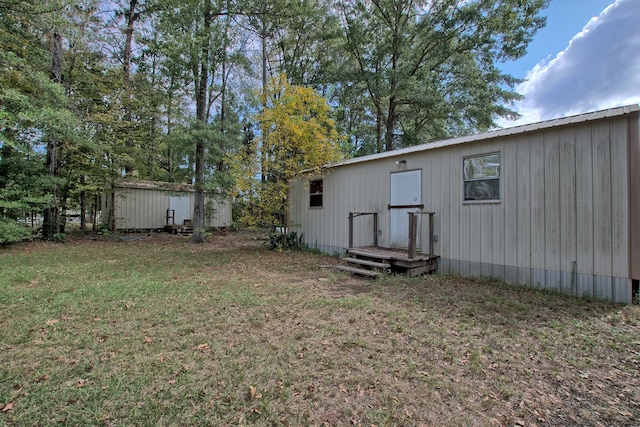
pixel 82 382
pixel 330 353
pixel 252 394
pixel 42 378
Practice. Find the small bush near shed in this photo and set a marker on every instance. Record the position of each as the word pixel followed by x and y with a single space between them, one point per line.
pixel 13 232
pixel 276 241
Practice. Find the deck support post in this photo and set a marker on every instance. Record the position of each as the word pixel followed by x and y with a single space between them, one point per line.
pixel 350 229
pixel 413 232
pixel 375 229
pixel 431 236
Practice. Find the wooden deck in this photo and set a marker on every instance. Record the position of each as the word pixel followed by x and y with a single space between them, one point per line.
pixel 388 254
pixel 178 229
pixel 374 261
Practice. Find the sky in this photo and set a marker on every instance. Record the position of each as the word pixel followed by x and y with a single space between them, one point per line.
pixel 587 58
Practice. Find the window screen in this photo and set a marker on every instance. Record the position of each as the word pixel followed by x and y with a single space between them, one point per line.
pixel 315 193
pixel 481 177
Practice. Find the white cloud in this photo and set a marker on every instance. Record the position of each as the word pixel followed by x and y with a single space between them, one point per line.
pixel 599 69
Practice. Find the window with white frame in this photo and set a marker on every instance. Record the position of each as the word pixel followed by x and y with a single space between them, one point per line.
pixel 315 193
pixel 481 177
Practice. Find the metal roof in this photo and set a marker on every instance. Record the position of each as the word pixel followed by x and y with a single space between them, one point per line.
pixel 153 185
pixel 515 130
pixel 159 185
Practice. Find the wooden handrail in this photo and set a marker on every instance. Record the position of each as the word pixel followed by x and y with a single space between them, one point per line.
pixel 353 215
pixel 171 215
pixel 420 206
pixel 413 232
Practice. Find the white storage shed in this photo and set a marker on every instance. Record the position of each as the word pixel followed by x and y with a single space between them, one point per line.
pixel 152 205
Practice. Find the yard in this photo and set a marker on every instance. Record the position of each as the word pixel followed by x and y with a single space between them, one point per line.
pixel 151 330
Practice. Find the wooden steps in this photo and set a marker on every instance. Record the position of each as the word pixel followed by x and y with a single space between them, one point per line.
pixel 367 263
pixel 179 229
pixel 355 270
pixel 363 266
pixel 377 261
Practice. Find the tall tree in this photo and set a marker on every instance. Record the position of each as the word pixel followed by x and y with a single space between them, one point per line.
pixel 263 18
pixel 301 138
pixel 429 67
pixel 131 16
pixel 194 36
pixel 36 112
pixel 52 222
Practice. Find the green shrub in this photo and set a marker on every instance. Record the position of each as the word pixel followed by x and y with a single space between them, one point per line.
pixel 275 241
pixel 13 232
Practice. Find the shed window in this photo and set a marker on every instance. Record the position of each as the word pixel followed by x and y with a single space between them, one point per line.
pixel 481 177
pixel 315 193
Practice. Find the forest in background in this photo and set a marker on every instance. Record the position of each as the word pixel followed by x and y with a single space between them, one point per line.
pixel 203 91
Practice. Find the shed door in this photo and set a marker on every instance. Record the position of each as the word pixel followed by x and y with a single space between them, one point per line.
pixel 406 191
pixel 182 207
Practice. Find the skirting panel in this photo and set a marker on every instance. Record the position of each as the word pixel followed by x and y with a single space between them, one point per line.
pixel 615 289
pixel 331 250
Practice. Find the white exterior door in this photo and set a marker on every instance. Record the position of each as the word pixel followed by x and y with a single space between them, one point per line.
pixel 182 208
pixel 406 196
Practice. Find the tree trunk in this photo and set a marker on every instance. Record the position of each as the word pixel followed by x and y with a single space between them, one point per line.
pixel 391 121
pixel 198 207
pixel 393 105
pixel 379 147
pixel 51 215
pixel 83 207
pixel 220 167
pixel 94 213
pixel 201 111
pixel 131 17
pixel 169 153
pixel 263 154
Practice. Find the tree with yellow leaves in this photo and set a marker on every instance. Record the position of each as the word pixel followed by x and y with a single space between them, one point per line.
pixel 298 137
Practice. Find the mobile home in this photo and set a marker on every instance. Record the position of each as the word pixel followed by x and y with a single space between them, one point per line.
pixel 152 205
pixel 554 204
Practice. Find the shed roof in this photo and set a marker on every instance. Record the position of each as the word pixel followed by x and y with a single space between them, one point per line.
pixel 515 130
pixel 162 186
pixel 153 185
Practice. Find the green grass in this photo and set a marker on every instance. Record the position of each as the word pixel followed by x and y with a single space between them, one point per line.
pixel 160 332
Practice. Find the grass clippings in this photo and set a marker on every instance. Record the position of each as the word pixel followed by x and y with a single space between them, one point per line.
pixel 155 331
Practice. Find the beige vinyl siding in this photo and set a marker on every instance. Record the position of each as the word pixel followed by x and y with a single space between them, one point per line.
pixel 510 218
pixel 562 222
pixel 634 195
pixel 145 208
pixel 523 198
pixel 621 221
pixel 137 208
pixel 537 211
pixel 553 210
pixel 603 213
pixel 568 208
pixel 218 212
pixel 585 208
